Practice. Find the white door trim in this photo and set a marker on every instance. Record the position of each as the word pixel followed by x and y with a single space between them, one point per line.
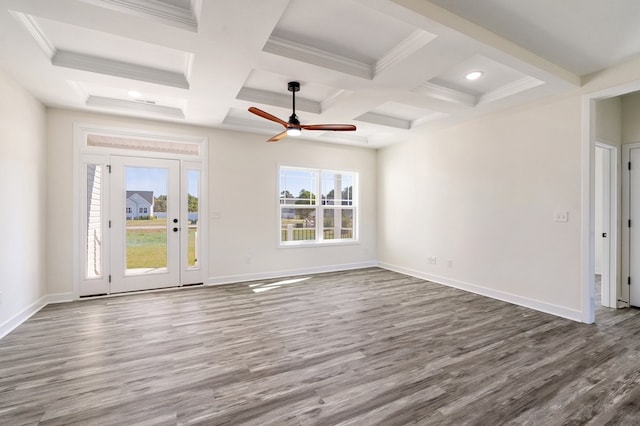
pixel 587 240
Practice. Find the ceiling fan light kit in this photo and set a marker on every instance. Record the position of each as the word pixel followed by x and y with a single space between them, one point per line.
pixel 293 126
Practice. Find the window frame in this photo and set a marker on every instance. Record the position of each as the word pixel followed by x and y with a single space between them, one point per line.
pixel 319 208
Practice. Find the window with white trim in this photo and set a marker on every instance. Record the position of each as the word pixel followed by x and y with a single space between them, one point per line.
pixel 317 206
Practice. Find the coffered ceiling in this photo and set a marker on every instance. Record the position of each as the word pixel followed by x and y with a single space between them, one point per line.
pixel 391 67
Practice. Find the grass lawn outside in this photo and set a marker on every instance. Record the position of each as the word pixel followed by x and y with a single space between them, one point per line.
pixel 147 248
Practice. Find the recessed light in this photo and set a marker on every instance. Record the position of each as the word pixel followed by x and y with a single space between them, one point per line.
pixel 474 75
pixel 134 94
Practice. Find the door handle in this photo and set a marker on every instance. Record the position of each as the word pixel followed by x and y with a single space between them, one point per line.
pixel 604 235
pixel 175 229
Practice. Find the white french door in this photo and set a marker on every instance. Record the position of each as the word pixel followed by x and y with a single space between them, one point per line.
pixel 140 224
pixel 145 242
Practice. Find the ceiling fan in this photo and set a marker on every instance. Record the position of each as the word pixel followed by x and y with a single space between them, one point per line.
pixel 293 126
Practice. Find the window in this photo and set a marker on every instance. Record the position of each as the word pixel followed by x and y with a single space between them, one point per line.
pixel 128 209
pixel 143 210
pixel 317 206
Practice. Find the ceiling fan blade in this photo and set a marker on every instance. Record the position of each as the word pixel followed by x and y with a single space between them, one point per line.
pixel 277 137
pixel 268 116
pixel 333 127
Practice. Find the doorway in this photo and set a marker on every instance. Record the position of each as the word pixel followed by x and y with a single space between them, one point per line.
pixel 139 211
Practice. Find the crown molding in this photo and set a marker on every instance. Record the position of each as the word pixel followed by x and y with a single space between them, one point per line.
pixel 385 120
pixel 278 99
pixel 155 10
pixel 428 118
pixel 80 61
pixel 344 137
pixel 31 25
pixel 510 89
pixel 132 106
pixel 311 55
pixel 331 100
pixel 247 124
pixel 446 94
pixel 417 40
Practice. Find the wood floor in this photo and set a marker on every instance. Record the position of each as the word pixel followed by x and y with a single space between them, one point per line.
pixel 355 348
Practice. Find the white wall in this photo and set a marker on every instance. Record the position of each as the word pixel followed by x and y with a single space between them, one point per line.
pixel 483 194
pixel 242 193
pixel 609 121
pixel 22 215
pixel 631 118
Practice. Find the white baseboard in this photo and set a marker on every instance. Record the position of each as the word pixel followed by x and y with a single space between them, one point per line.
pixel 9 325
pixel 572 314
pixel 230 279
pixel 537 305
pixel 60 298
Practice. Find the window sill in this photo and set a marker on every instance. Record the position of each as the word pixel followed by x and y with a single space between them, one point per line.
pixel 325 243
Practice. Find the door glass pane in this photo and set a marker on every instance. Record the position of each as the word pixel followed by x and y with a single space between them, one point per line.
pixel 193 191
pixel 146 218
pixel 94 221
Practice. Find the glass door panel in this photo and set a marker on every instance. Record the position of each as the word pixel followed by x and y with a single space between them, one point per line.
pixel 146 219
pixel 193 191
pixel 192 237
pixel 94 222
pixel 94 194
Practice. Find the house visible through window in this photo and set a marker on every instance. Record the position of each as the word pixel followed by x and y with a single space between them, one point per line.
pixel 317 206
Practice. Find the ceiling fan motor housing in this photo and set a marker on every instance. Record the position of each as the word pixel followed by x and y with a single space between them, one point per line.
pixel 294 86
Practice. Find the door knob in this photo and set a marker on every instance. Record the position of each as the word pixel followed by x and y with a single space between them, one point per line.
pixel 175 220
pixel 175 229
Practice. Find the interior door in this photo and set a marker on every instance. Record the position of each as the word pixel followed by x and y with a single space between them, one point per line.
pixel 603 220
pixel 145 223
pixel 634 230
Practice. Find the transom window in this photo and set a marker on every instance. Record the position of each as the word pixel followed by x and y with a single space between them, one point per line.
pixel 317 206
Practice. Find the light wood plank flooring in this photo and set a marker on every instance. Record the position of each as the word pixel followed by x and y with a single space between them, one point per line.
pixel 354 348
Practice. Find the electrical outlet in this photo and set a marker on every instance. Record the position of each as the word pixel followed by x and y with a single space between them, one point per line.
pixel 248 260
pixel 561 216
pixel 432 260
pixel 450 263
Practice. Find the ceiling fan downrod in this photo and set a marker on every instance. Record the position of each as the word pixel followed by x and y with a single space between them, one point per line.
pixel 294 87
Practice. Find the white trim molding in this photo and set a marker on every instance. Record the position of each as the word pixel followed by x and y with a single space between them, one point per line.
pixel 311 55
pixel 536 305
pixel 12 323
pixel 82 62
pixel 155 10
